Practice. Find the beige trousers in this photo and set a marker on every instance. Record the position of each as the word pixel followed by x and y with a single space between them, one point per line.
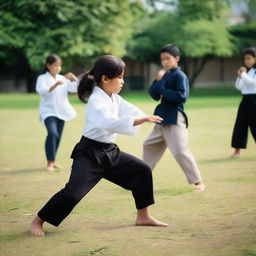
pixel 175 137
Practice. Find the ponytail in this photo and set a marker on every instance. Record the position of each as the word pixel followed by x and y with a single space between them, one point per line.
pixel 85 86
pixel 107 65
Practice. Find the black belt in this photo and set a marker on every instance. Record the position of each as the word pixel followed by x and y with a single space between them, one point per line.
pixel 103 154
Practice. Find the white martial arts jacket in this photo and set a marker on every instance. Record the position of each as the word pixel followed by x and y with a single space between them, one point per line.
pixel 247 82
pixel 106 116
pixel 56 102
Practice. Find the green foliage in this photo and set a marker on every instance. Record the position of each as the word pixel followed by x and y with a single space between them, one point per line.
pixel 204 37
pixel 245 35
pixel 152 33
pixel 76 30
pixel 198 28
pixel 251 14
pixel 203 29
pixel 204 10
pixel 252 8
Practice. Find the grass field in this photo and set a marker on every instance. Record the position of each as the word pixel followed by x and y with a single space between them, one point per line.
pixel 218 222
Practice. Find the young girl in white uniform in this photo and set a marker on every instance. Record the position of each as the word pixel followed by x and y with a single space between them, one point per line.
pixel 96 156
pixel 246 115
pixel 55 108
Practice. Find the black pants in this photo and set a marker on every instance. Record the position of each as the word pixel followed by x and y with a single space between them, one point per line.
pixel 92 162
pixel 246 117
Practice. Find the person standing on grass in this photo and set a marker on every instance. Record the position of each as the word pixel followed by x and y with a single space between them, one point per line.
pixel 55 107
pixel 96 156
pixel 172 89
pixel 246 115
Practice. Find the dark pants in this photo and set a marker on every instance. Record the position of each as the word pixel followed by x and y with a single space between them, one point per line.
pixel 246 117
pixel 54 128
pixel 92 162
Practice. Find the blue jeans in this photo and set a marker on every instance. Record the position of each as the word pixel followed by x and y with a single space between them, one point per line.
pixel 54 128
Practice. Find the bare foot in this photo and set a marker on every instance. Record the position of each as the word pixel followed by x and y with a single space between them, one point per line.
pixel 199 187
pixel 36 227
pixel 235 155
pixel 50 166
pixel 58 166
pixel 149 221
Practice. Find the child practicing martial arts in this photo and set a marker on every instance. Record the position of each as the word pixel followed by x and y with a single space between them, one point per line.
pixel 246 115
pixel 55 107
pixel 96 156
pixel 172 89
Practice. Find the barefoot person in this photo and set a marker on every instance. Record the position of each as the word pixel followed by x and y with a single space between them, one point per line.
pixel 246 115
pixel 96 156
pixel 55 108
pixel 172 89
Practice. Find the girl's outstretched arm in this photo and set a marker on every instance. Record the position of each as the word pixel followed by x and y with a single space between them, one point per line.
pixel 151 118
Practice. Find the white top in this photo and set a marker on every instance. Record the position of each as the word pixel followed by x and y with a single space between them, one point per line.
pixel 106 116
pixel 56 102
pixel 247 82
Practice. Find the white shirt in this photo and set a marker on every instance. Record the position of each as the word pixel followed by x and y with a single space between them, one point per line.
pixel 56 102
pixel 106 116
pixel 247 82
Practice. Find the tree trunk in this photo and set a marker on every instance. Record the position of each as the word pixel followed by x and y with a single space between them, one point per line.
pixel 193 68
pixel 31 80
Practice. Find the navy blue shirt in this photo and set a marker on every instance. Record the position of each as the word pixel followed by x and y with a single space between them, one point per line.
pixel 174 88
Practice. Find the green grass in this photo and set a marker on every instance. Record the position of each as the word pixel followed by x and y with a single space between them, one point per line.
pixel 206 96
pixel 219 222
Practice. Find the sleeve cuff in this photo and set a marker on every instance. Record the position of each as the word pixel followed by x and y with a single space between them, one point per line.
pixel 132 130
pixel 244 75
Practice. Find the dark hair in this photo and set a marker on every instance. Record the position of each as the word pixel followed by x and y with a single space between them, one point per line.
pixel 107 65
pixel 50 60
pixel 171 49
pixel 250 51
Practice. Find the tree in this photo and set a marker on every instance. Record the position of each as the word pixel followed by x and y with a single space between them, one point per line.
pixel 152 33
pixel 76 30
pixel 244 34
pixel 250 14
pixel 197 27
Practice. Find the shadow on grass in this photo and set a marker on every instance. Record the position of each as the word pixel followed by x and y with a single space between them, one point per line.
pixel 172 192
pixel 11 236
pixel 239 180
pixel 227 159
pixel 22 171
pixel 106 226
